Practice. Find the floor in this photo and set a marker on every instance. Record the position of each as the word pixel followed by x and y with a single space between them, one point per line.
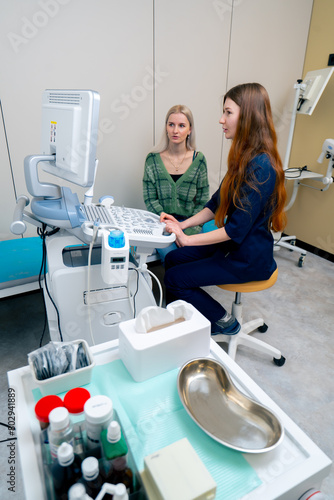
pixel 299 310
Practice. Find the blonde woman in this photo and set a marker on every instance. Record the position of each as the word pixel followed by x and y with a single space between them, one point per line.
pixel 175 176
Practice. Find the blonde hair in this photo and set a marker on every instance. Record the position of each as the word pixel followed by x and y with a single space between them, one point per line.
pixel 191 139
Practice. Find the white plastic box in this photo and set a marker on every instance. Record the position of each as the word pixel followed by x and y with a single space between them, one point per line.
pixel 66 381
pixel 159 340
pixel 177 473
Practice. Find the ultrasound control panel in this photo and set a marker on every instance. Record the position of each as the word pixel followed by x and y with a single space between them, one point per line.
pixel 141 226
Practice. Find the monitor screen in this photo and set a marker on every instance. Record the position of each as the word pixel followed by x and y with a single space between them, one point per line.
pixel 313 86
pixel 70 132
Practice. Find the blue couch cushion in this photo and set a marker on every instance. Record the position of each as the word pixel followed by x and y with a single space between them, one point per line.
pixel 20 258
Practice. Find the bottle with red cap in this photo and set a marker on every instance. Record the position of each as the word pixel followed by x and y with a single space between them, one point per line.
pixel 43 408
pixel 75 400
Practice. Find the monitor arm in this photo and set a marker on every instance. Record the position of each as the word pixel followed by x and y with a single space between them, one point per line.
pixel 34 186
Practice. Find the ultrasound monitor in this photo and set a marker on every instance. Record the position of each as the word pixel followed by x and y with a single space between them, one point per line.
pixel 312 88
pixel 69 131
pixel 68 140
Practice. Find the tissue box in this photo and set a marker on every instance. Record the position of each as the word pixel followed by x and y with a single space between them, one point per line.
pixel 159 340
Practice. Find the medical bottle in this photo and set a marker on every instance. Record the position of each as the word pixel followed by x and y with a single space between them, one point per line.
pixel 43 408
pixel 113 492
pixel 120 492
pixel 121 473
pixel 66 471
pixel 92 478
pixel 78 492
pixel 98 411
pixel 74 401
pixel 113 442
pixel 60 430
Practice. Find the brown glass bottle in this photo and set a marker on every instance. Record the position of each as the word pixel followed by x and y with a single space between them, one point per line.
pixel 66 471
pixel 92 478
pixel 121 473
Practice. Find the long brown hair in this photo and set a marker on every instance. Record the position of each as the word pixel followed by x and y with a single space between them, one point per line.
pixel 255 134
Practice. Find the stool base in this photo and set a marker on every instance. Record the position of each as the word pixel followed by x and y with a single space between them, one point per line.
pixel 243 337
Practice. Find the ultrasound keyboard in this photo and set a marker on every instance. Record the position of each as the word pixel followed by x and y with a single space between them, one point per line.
pixel 140 226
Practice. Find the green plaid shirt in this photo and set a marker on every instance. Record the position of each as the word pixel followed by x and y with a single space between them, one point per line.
pixel 183 198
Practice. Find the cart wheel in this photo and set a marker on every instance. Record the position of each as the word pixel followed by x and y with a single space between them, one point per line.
pixel 279 362
pixel 263 328
pixel 301 261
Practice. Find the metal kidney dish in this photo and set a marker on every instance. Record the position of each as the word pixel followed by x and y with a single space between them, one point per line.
pixel 223 412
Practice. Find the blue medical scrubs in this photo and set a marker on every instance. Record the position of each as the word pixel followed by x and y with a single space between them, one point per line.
pixel 248 256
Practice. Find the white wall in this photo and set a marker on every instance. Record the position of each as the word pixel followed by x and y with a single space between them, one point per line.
pixel 198 48
pixel 192 42
pixel 268 46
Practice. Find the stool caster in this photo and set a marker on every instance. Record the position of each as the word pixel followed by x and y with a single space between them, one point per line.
pixel 280 361
pixel 301 260
pixel 263 328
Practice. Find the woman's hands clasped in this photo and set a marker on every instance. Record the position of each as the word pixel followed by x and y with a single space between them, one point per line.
pixel 174 226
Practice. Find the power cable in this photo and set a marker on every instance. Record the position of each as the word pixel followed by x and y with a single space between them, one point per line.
pixel 8 152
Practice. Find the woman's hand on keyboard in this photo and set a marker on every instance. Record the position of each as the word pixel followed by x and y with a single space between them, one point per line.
pixel 167 217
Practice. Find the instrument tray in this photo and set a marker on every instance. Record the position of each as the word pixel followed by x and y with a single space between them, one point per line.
pixel 223 412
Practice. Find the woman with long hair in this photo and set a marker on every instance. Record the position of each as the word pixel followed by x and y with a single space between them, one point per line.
pixel 247 206
pixel 175 176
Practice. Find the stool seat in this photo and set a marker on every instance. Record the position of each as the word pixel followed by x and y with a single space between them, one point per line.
pixel 252 286
pixel 243 337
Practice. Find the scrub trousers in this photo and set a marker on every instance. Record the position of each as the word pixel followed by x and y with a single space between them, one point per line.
pixel 189 268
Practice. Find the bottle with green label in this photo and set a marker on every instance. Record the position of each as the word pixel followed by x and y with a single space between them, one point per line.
pixel 113 442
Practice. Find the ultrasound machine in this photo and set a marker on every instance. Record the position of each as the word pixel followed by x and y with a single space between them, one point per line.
pixel 92 281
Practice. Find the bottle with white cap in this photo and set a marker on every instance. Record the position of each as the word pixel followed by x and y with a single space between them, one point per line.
pixel 113 491
pixel 60 430
pixel 78 492
pixel 98 412
pixel 113 442
pixel 120 492
pixel 66 471
pixel 92 478
pixel 121 473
